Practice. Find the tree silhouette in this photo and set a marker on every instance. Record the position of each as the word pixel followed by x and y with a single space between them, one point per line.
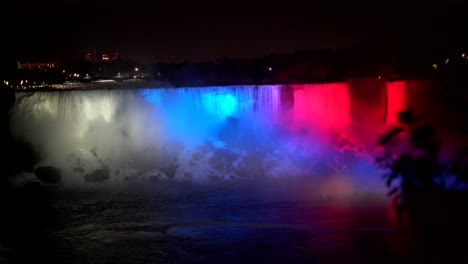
pixel 428 194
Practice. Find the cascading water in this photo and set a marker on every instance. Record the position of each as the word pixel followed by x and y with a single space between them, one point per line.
pixel 396 100
pixel 197 133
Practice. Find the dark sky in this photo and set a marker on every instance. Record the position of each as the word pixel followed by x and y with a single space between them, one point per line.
pixel 172 30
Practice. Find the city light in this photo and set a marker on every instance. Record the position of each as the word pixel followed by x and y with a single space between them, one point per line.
pixel 136 69
pixel 269 68
pixel 434 66
pixel 447 61
pixel 463 55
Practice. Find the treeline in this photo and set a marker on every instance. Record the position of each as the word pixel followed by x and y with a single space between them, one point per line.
pixel 315 66
pixel 307 66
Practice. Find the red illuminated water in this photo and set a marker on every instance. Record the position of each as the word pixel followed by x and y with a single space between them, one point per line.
pixel 396 100
pixel 356 111
pixel 282 123
pixel 336 214
pixel 323 105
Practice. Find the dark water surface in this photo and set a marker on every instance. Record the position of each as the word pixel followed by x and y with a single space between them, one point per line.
pixel 274 221
pixel 269 174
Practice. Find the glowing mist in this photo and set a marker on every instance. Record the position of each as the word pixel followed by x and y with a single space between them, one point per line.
pixel 200 133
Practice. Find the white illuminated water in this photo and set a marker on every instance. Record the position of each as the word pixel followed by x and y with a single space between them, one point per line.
pixel 201 133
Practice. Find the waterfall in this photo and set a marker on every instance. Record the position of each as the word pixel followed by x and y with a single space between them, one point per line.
pixel 191 132
pixel 396 94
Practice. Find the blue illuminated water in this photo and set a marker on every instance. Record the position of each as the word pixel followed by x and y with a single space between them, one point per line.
pixel 206 133
pixel 237 174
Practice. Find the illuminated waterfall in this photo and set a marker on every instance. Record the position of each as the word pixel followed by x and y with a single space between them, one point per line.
pixel 199 131
pixel 324 105
pixel 396 100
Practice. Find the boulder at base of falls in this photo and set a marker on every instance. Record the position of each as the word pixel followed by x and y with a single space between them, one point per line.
pixel 48 174
pixel 79 169
pixel 98 175
pixel 170 170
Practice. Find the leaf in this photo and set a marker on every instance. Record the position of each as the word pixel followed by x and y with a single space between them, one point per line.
pixel 389 182
pixel 407 117
pixel 393 191
pixel 386 138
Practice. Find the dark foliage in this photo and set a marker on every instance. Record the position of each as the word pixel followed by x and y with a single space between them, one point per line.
pixel 48 174
pixel 428 194
pixel 17 156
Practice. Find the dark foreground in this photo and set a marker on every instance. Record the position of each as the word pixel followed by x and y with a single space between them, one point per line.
pixel 235 222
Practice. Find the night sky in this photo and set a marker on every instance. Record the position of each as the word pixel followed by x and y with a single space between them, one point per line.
pixel 174 31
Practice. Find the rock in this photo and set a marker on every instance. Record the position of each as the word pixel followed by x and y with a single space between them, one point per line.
pixel 225 155
pixel 214 177
pixel 83 161
pixel 204 149
pixel 223 159
pixel 93 151
pixel 78 169
pixel 153 178
pixel 170 170
pixel 197 156
pixel 216 164
pixel 131 179
pixel 270 164
pixel 250 167
pixel 98 175
pixel 177 146
pixel 188 176
pixel 48 174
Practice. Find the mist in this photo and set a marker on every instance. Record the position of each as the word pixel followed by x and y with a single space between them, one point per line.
pixel 207 134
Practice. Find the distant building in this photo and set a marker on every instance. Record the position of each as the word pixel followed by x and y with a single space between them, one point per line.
pixel 94 56
pixel 38 65
pixel 106 57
